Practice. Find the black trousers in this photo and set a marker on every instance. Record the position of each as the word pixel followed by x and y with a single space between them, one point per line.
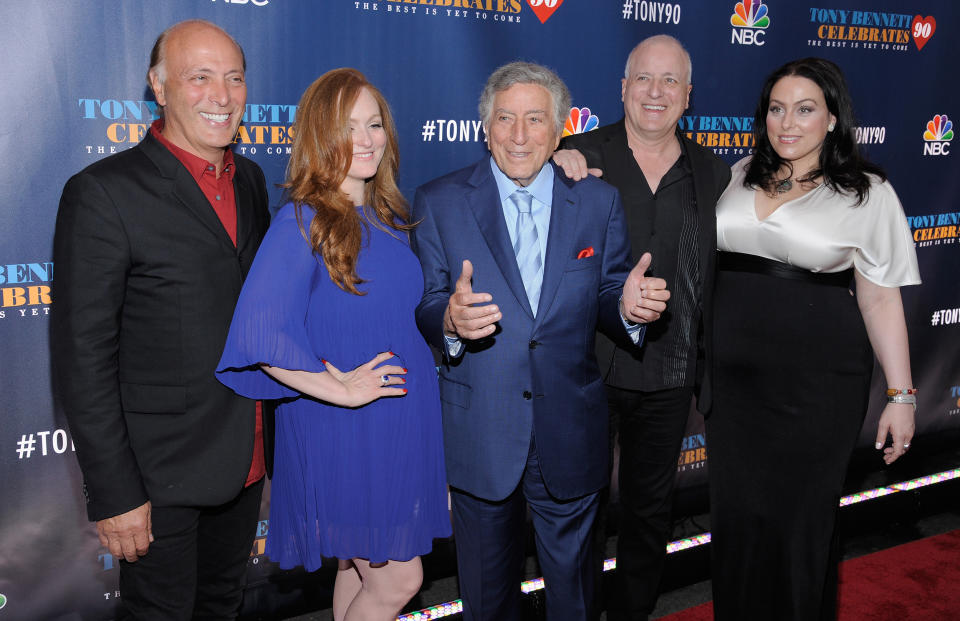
pixel 196 566
pixel 650 426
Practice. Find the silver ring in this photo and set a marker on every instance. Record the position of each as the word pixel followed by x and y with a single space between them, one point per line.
pixel 906 445
pixel 383 380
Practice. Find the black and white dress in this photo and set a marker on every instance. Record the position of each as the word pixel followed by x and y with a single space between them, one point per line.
pixel 792 368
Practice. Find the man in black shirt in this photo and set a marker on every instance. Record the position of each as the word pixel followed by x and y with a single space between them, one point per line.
pixel 669 186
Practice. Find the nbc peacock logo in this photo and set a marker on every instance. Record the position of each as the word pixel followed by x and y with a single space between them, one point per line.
pixel 580 121
pixel 749 14
pixel 938 135
pixel 749 20
pixel 939 128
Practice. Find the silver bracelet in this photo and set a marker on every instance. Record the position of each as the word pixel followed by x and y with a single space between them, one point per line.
pixel 901 398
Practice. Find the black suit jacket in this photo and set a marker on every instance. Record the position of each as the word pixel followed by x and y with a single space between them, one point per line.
pixel 606 148
pixel 145 286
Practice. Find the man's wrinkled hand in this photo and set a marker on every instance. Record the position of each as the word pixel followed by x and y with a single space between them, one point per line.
pixel 128 535
pixel 644 297
pixel 463 318
pixel 574 165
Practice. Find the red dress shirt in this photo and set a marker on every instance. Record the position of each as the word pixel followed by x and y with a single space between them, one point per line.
pixel 219 191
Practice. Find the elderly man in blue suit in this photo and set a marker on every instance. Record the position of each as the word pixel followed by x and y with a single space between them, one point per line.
pixel 521 266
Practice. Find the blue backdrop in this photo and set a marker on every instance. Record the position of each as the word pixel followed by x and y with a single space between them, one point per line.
pixel 75 91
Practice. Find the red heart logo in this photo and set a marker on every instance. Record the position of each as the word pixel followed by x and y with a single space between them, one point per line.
pixel 543 9
pixel 922 30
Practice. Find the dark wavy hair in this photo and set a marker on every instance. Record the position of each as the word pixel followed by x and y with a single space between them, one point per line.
pixel 319 163
pixel 841 165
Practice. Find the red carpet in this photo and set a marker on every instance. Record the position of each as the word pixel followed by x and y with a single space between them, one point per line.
pixel 917 581
pixel 703 612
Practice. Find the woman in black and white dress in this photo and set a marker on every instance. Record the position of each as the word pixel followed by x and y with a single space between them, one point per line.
pixel 814 247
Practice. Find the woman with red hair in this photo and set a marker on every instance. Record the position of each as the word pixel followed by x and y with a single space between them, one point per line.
pixel 325 322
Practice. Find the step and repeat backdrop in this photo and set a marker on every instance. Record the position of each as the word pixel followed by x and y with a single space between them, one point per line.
pixel 74 91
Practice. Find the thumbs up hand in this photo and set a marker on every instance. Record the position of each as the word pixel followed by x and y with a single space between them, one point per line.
pixel 468 314
pixel 644 297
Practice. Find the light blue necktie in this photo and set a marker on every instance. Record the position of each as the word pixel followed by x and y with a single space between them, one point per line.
pixel 527 247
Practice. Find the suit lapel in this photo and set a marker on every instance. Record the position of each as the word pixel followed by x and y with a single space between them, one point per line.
pixel 622 171
pixel 617 159
pixel 484 202
pixel 245 208
pixel 705 206
pixel 185 189
pixel 563 226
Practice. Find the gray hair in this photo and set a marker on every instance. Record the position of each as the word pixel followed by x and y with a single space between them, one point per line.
pixel 660 38
pixel 158 54
pixel 526 73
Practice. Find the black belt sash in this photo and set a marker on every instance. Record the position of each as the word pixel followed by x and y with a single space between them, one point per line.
pixel 739 262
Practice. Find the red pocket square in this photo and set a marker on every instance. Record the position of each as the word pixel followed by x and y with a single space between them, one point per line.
pixel 586 252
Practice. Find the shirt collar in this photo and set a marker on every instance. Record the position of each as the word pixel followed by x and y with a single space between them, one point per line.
pixel 195 165
pixel 541 188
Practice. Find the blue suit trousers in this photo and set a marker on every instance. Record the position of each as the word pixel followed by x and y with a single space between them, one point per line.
pixel 490 549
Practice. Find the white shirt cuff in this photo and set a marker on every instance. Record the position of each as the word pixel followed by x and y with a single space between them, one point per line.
pixel 454 345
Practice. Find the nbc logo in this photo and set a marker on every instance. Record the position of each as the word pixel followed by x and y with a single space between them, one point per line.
pixel 749 20
pixel 938 135
pixel 580 121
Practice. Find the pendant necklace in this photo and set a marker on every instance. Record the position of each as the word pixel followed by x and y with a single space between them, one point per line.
pixel 784 186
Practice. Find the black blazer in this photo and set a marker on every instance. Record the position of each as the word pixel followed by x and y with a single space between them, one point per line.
pixel 146 282
pixel 606 148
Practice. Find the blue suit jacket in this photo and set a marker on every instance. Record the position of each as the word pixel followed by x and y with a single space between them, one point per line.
pixel 538 373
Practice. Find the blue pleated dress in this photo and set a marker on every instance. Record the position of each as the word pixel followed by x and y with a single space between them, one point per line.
pixel 364 482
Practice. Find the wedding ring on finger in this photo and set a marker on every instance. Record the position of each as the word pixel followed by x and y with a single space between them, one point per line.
pixel 384 380
pixel 906 445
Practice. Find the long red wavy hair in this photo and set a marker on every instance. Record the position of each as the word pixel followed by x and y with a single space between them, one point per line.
pixel 319 161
